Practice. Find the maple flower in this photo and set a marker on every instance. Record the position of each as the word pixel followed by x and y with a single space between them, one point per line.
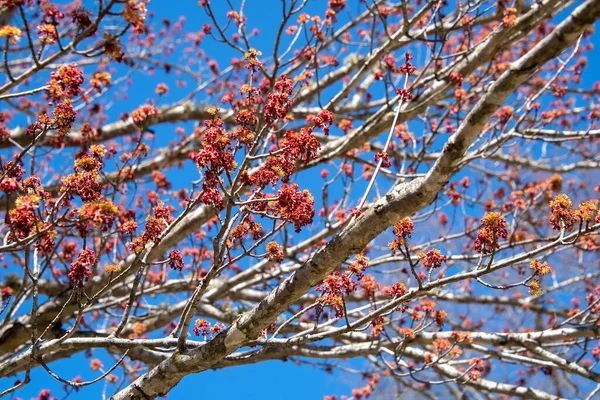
pixel 369 285
pixel 111 268
pixel 493 228
pixel 432 259
pixel 384 158
pixel 294 206
pixel 274 252
pixel 5 294
pixel 586 210
pixel 79 271
pixel 176 260
pixel 65 82
pixel 23 217
pixel 402 229
pixel 100 79
pixel 47 33
pixel 555 182
pixel 398 289
pixel 510 17
pixel 540 268
pixel 85 182
pixel 12 33
pixel 96 364
pixel 142 113
pixel 337 4
pixel 562 215
pixel 278 102
pixel 101 212
pixel 202 326
pixel 64 117
pixel 134 13
pixel 535 288
pixel 407 68
pixel 252 61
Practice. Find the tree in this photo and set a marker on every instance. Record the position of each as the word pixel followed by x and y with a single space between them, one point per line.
pixel 410 183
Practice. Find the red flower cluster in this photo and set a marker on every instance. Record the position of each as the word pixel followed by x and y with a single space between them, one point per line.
pixel 23 217
pixel 176 260
pixel 142 113
pixel 301 146
pixel 203 327
pixel 477 367
pixel 217 156
pixel 65 82
pixel 85 182
pixel 281 166
pixel 64 117
pixel 47 33
pixel 79 270
pixel 134 13
pixel 337 284
pixel 385 160
pixel 337 5
pixel 155 224
pixel 369 285
pixel 278 102
pixel 366 390
pixel 402 230
pixel 101 213
pixel 12 3
pixel 274 252
pixel 334 287
pixel 81 18
pixel 540 268
pixel 407 68
pixel 100 80
pixel 252 61
pixel 294 206
pixel 562 215
pixel 5 294
pixel 45 241
pixel 13 173
pixel 586 210
pixel 324 120
pixel 432 259
pixel 493 228
pixel 405 95
pixel 398 289
pixel 246 227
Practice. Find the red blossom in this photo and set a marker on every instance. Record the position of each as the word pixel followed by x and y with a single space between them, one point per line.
pixel 134 13
pixel 176 260
pixel 79 271
pixel 493 228
pixel 142 113
pixel 294 206
pixel 407 68
pixel 278 102
pixel 402 230
pixel 383 158
pixel 324 120
pixel 432 259
pixel 274 252
pixel 562 215
pixel 202 327
pixel 65 82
